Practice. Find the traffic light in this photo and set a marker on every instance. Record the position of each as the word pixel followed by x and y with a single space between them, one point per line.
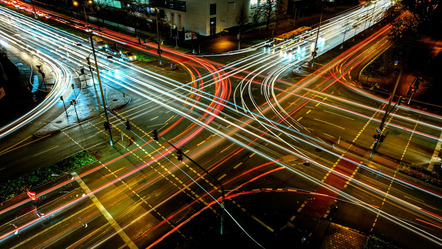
pixel 179 155
pixel 382 137
pixel 401 100
pixel 73 102
pixel 376 137
pixel 127 125
pixel 107 126
pixel 155 135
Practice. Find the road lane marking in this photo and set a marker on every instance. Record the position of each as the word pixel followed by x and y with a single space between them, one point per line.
pixel 262 223
pixel 308 111
pixel 11 148
pixel 387 193
pixel 154 118
pixel 226 148
pixel 329 135
pixel 19 142
pixel 299 119
pixel 45 151
pixel 340 115
pixel 170 118
pixel 105 213
pixel 236 166
pixel 337 126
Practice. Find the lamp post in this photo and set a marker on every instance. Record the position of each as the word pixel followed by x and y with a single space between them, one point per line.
pixel 101 89
pixel 221 186
pixel 76 4
pixel 314 53
pixel 92 76
pixel 158 34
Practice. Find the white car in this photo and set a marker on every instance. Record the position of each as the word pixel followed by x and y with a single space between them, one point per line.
pixel 128 56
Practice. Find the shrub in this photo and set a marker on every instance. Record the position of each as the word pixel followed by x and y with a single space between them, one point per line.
pixel 42 176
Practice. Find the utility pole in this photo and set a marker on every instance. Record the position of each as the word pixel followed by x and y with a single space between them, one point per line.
pixel 93 81
pixel 379 137
pixel 101 88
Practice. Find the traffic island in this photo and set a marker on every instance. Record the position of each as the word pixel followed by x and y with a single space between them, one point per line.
pixel 87 105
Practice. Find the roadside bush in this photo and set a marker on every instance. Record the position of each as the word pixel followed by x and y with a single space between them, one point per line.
pixel 42 176
pixel 376 243
pixel 421 174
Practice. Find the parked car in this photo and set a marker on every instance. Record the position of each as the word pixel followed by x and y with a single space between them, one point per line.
pixel 98 42
pixel 112 51
pixel 128 56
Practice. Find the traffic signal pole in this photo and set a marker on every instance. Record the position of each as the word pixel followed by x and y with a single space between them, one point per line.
pixel 219 183
pixel 101 89
pixel 388 110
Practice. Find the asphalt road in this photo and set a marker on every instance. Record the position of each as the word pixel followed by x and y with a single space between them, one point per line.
pixel 138 194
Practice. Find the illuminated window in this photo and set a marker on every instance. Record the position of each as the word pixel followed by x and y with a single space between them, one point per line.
pixel 253 3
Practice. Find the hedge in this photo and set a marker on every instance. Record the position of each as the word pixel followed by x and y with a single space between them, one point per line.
pixel 42 176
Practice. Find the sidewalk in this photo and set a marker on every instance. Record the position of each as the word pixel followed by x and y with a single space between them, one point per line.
pixel 88 106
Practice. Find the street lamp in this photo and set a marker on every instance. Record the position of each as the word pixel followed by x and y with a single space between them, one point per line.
pixel 92 76
pixel 101 88
pixel 158 34
pixel 99 84
pixel 76 4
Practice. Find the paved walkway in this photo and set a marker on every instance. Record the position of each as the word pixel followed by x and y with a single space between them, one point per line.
pixel 88 105
pixel 340 237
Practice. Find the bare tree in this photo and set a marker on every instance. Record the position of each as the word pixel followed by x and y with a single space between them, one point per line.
pixel 264 12
pixel 241 19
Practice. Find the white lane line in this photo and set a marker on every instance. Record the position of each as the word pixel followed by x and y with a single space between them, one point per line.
pixel 340 127
pixel 338 115
pixel 105 213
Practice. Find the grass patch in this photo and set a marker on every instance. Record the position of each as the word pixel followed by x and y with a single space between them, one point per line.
pixel 42 176
pixel 420 173
pixel 144 57
pixel 376 243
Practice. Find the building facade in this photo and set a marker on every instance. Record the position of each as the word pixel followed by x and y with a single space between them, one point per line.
pixel 204 17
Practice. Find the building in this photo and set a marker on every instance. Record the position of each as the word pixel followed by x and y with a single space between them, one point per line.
pixel 203 17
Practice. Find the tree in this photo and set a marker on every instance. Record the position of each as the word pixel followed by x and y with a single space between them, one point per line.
pixel 281 11
pixel 241 19
pixel 133 19
pixel 264 12
pixel 426 12
pixel 404 31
